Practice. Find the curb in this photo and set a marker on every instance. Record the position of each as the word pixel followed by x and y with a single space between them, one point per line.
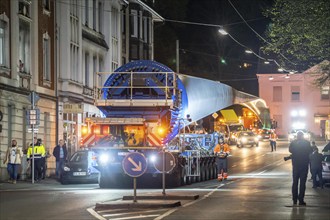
pixel 162 197
pixel 135 205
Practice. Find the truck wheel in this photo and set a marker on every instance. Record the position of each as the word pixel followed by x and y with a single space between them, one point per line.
pixel 215 171
pixel 183 177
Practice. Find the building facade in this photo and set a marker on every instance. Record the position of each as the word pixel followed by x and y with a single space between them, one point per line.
pixel 295 102
pixel 95 36
pixel 27 63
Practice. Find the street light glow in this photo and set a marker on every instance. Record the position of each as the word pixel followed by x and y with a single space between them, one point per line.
pixel 222 31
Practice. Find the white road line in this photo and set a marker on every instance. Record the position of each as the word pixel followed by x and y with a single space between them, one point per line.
pixel 95 214
pixel 128 213
pixel 211 192
pixel 135 217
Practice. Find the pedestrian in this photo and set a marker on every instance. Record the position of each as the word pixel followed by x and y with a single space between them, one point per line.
pixel 13 159
pixel 316 168
pixel 314 147
pixel 43 160
pixel 300 150
pixel 60 153
pixel 272 140
pixel 222 150
pixel 39 152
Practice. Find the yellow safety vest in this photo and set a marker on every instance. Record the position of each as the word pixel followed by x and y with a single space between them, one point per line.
pixel 39 152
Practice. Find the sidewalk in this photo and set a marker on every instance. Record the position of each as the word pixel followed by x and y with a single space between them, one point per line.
pixel 46 184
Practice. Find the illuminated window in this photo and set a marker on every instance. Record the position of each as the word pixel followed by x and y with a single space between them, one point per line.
pixel 325 93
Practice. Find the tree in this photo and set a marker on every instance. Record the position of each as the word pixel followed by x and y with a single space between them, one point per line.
pixel 299 34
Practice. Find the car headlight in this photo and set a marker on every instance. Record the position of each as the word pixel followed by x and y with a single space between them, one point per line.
pixel 306 136
pixel 291 136
pixel 256 139
pixel 243 140
pixel 67 169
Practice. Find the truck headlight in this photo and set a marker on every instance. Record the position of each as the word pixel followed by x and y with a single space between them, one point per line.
pixel 153 158
pixel 67 169
pixel 104 158
pixel 243 140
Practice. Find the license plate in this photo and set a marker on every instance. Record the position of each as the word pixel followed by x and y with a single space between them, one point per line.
pixel 79 173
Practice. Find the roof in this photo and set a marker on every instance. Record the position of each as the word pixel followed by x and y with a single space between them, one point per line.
pixel 155 15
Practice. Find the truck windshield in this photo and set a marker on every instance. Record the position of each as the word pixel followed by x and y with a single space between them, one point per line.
pixel 236 127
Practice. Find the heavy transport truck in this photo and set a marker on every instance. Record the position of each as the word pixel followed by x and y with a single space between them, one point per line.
pixel 148 108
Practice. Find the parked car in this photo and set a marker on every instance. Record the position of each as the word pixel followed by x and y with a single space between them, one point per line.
pixel 293 134
pixel 80 168
pixel 264 134
pixel 326 167
pixel 247 138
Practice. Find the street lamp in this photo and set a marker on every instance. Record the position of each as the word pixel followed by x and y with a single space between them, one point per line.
pixel 222 31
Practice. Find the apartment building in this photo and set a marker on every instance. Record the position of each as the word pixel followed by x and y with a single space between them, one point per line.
pixel 27 63
pixel 295 102
pixel 95 36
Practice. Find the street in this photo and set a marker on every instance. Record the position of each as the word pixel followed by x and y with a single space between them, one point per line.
pixel 259 187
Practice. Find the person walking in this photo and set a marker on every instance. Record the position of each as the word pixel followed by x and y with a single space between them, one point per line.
pixel 222 151
pixel 13 157
pixel 39 152
pixel 60 153
pixel 316 167
pixel 300 150
pixel 272 140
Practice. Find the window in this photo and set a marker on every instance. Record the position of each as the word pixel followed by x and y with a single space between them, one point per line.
pixel 86 69
pixel 94 68
pixel 46 58
pixel 145 30
pixel 278 119
pixel 295 93
pixel 74 48
pixel 4 41
pixel 24 8
pixel 94 14
pixel 134 23
pixel 24 46
pixel 141 25
pixel 100 17
pixel 114 41
pixel 277 93
pixel 325 93
pixel 46 4
pixel 74 7
pixel 86 12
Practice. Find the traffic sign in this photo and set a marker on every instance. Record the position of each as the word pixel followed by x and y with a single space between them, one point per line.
pixel 33 116
pixel 33 97
pixel 169 162
pixel 134 164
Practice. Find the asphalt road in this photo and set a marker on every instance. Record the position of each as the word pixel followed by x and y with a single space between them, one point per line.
pixel 259 187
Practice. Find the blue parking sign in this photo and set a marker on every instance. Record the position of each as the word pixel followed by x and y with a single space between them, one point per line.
pixel 134 164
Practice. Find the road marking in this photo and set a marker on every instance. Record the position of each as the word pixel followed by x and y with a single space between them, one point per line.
pixel 131 213
pixel 234 165
pixel 95 214
pixel 136 217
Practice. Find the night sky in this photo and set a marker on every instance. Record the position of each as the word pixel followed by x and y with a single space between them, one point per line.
pixel 203 51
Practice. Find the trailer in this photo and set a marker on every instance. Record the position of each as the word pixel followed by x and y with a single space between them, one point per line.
pixel 148 108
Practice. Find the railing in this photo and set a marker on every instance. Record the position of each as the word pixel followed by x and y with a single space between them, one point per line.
pixel 133 82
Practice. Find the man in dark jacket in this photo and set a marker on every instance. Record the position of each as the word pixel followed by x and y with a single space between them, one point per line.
pixel 316 167
pixel 300 150
pixel 60 153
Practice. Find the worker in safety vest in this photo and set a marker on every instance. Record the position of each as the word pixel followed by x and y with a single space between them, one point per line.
pixel 222 151
pixel 39 153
